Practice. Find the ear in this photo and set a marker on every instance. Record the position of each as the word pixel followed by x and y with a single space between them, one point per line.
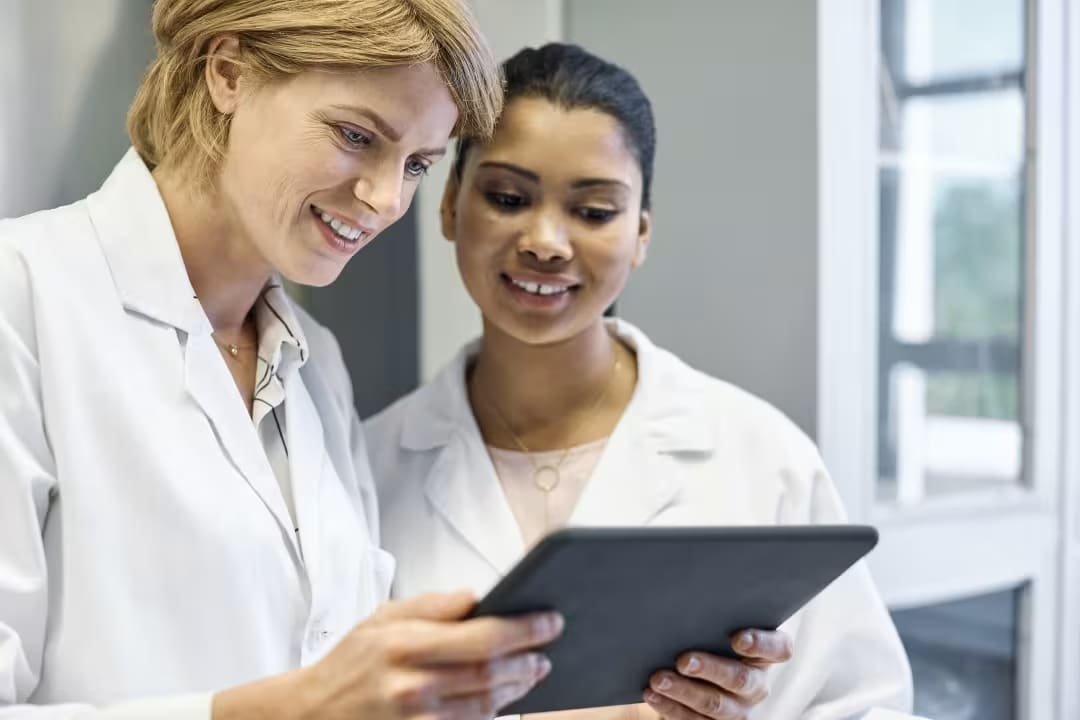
pixel 448 207
pixel 643 238
pixel 223 72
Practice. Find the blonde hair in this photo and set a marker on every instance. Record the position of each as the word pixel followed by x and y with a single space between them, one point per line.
pixel 173 121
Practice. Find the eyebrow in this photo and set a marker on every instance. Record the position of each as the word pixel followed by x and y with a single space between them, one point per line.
pixel 577 184
pixel 386 128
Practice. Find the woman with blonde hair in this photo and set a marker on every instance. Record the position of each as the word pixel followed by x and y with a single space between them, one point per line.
pixel 187 523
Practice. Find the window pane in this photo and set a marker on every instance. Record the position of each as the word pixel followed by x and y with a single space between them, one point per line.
pixel 977 133
pixel 978 258
pixel 964 657
pixel 933 40
pixel 952 198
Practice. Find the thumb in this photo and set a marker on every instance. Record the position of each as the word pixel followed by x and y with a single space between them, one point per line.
pixel 430 606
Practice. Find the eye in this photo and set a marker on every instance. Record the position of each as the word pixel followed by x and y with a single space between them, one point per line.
pixel 416 168
pixel 596 215
pixel 506 201
pixel 353 136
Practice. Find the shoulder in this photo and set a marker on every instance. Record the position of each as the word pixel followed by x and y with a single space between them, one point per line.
pixel 433 412
pixel 384 429
pixel 47 248
pixel 734 417
pixel 754 420
pixel 405 438
pixel 45 237
pixel 45 228
pixel 748 447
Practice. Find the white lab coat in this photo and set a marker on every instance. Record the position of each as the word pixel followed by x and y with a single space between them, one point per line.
pixel 146 549
pixel 689 450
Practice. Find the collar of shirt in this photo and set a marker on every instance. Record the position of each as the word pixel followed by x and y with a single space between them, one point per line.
pixel 282 350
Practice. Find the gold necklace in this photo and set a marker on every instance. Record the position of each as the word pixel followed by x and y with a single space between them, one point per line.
pixel 547 477
pixel 233 350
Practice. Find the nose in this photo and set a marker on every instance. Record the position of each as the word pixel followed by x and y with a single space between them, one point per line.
pixel 546 239
pixel 380 188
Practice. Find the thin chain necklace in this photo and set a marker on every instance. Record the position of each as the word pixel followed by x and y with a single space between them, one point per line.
pixel 547 477
pixel 233 350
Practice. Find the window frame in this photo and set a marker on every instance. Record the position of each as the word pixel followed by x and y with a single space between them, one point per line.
pixel 977 542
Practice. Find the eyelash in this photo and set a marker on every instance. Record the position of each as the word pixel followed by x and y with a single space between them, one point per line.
pixel 596 216
pixel 416 172
pixel 354 138
pixel 509 203
pixel 414 169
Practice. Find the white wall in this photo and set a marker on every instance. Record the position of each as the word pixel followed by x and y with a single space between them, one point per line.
pixel 448 317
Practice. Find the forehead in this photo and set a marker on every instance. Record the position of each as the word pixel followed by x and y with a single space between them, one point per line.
pixel 561 143
pixel 413 99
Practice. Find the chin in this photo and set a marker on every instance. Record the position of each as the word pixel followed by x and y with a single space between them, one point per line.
pixel 537 333
pixel 320 273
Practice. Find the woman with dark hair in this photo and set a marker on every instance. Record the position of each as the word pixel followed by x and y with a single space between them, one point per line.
pixel 560 416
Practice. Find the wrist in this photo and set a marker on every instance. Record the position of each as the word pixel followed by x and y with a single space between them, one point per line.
pixel 281 697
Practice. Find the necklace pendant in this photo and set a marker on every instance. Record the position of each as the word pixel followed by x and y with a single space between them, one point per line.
pixel 234 350
pixel 547 478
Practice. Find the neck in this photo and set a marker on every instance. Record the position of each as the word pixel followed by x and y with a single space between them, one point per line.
pixel 225 270
pixel 548 394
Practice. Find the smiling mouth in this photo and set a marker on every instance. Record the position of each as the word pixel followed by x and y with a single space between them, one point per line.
pixel 540 289
pixel 346 233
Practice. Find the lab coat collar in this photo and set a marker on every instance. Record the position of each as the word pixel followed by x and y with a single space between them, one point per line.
pixel 632 483
pixel 137 237
pixel 668 406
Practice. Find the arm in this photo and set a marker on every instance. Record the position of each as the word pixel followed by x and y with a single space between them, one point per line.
pixel 28 483
pixel 848 620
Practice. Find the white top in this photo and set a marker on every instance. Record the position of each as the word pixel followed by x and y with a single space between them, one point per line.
pixel 689 450
pixel 537 511
pixel 147 553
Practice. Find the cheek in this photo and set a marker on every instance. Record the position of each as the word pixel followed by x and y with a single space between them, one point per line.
pixel 478 229
pixel 290 184
pixel 408 194
pixel 614 249
pixel 610 258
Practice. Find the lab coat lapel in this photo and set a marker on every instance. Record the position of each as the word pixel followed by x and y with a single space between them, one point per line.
pixel 462 484
pixel 628 486
pixel 136 236
pixel 463 487
pixel 638 474
pixel 212 387
pixel 307 464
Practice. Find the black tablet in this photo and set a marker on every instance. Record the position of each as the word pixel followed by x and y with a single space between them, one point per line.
pixel 634 599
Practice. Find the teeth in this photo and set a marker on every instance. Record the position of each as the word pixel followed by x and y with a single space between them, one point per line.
pixel 346 231
pixel 539 288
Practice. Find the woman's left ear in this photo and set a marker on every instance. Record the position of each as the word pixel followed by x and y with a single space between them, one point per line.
pixel 223 73
pixel 643 238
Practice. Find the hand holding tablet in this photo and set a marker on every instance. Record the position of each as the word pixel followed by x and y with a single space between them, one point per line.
pixel 637 599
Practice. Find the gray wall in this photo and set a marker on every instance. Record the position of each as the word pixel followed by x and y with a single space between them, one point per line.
pixel 731 279
pixel 68 72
